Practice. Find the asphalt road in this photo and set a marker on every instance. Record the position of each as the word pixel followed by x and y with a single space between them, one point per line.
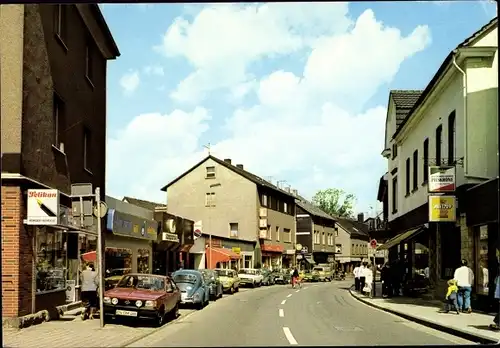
pixel 317 314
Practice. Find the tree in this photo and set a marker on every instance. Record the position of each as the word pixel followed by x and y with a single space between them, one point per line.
pixel 334 202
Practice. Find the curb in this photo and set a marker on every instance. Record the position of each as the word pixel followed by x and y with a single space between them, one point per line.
pixel 456 332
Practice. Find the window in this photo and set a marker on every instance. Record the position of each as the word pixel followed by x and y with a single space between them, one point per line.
pixel 89 62
pixel 353 252
pixel 50 259
pixel 210 173
pixel 415 170
pixel 287 235
pixel 264 200
pixel 268 232
pixel 247 261
pixel 86 148
pixel 395 195
pixel 481 247
pixel 233 229
pixel 336 232
pixel 451 138
pixel 210 199
pixel 407 176
pixel 143 261
pixel 439 133
pixel 323 238
pixel 338 248
pixel 60 22
pixel 394 151
pixel 285 207
pixel 426 160
pixel 278 233
pixel 58 119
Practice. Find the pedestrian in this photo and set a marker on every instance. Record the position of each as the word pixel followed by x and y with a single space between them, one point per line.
pixel 368 273
pixel 465 278
pixel 89 284
pixel 386 281
pixel 356 277
pixel 450 300
pixel 362 276
pixel 397 277
pixel 496 321
pixel 295 277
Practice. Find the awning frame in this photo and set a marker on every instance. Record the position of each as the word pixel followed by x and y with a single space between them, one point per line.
pixel 398 239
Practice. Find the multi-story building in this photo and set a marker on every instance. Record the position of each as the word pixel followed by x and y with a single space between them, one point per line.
pixel 352 242
pixel 315 232
pixel 452 122
pixel 53 107
pixel 251 221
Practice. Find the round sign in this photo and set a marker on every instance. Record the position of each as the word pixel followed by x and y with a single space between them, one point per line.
pixel 298 247
pixel 197 233
pixel 373 243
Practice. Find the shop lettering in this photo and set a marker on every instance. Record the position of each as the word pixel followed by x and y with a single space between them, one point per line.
pixel 442 206
pixel 443 179
pixel 43 194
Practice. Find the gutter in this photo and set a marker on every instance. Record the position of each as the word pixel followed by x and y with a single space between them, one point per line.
pixel 464 89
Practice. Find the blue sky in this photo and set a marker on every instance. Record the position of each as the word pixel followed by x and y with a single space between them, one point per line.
pixel 295 92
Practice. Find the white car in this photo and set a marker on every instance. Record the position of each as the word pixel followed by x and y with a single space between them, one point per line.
pixel 250 276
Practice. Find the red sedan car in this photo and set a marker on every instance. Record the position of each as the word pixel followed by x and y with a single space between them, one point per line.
pixel 143 296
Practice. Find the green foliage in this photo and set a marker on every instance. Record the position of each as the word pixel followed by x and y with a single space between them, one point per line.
pixel 335 202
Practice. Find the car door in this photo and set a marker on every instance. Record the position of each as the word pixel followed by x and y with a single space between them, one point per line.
pixel 169 296
pixel 176 294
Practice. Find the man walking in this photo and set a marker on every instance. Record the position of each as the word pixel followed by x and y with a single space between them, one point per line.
pixel 356 277
pixel 89 283
pixel 465 278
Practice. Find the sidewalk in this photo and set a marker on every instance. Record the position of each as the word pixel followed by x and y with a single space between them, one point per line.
pixel 71 331
pixel 473 327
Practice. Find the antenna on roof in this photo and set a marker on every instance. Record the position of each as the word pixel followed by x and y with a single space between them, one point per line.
pixel 269 179
pixel 208 148
pixel 279 182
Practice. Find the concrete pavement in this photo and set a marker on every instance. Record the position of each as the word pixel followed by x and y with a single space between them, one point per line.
pixel 317 314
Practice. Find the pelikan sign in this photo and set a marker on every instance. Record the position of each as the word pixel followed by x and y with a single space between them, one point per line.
pixel 43 207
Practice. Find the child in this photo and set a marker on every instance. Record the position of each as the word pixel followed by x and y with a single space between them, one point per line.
pixel 451 296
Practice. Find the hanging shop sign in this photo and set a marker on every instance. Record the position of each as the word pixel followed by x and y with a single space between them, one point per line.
pixel 43 207
pixel 442 208
pixel 441 179
pixel 127 225
pixel 236 250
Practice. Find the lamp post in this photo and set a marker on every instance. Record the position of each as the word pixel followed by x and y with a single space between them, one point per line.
pixel 210 226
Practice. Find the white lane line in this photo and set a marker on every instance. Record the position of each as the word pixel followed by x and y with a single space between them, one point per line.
pixel 289 336
pixel 297 290
pixel 283 302
pixel 289 295
pixel 281 313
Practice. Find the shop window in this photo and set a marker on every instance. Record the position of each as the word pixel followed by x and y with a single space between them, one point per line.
pixel 51 259
pixel 143 261
pixel 482 272
pixel 450 255
pixel 118 261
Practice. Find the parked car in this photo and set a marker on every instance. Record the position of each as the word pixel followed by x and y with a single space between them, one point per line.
pixel 250 276
pixel 229 279
pixel 143 296
pixel 113 276
pixel 324 274
pixel 193 288
pixel 213 282
pixel 267 277
pixel 283 277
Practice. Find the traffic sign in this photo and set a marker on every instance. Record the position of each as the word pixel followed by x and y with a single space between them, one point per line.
pixel 197 233
pixel 373 243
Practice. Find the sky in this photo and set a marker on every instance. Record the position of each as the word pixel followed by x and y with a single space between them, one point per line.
pixel 295 92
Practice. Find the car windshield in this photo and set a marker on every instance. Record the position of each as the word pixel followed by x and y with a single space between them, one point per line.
pixel 185 278
pixel 143 282
pixel 224 273
pixel 248 271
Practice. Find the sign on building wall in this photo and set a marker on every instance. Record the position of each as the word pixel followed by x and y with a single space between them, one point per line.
pixel 127 225
pixel 441 179
pixel 43 207
pixel 442 208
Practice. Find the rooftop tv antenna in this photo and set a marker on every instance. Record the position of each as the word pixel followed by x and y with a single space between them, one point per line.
pixel 208 147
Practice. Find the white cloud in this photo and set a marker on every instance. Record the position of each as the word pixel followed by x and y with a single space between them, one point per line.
pixel 154 70
pixel 310 128
pixel 130 81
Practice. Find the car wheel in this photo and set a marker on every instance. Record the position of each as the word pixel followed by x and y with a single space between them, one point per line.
pixel 237 288
pixel 160 318
pixel 174 313
pixel 254 285
pixel 231 290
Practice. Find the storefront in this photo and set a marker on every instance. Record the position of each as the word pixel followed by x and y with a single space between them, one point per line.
pixel 166 258
pixel 271 256
pixel 226 253
pixel 288 258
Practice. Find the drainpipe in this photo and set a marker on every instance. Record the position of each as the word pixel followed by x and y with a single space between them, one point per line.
pixel 464 88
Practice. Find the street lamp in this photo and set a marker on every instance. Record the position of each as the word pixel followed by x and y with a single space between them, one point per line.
pixel 209 226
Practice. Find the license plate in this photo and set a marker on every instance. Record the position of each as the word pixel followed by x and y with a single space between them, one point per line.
pixel 126 313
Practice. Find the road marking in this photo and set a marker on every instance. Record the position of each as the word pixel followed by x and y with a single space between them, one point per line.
pixel 283 302
pixel 297 290
pixel 289 295
pixel 315 285
pixel 281 313
pixel 289 336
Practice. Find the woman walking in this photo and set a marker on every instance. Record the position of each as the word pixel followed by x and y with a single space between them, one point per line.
pixel 90 282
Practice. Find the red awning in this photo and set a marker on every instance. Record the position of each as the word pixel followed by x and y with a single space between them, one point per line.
pixel 89 257
pixel 220 255
pixel 272 248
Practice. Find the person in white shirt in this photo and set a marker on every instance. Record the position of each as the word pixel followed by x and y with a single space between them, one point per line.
pixel 356 277
pixel 465 278
pixel 368 273
pixel 362 276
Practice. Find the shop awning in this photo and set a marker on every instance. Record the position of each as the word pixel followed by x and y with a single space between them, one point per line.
pixel 89 257
pixel 309 259
pixel 400 238
pixel 220 255
pixel 272 248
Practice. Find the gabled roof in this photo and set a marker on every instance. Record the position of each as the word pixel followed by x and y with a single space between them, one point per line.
pixel 466 43
pixel 404 101
pixel 247 175
pixel 354 228
pixel 312 209
pixel 143 204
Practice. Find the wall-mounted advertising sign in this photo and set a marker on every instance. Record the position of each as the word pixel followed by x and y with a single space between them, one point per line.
pixel 441 179
pixel 43 207
pixel 442 208
pixel 127 225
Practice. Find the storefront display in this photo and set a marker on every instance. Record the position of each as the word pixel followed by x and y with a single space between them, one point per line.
pixel 51 259
pixel 482 260
pixel 118 258
pixel 143 261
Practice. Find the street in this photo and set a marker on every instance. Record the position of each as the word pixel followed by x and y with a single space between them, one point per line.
pixel 316 314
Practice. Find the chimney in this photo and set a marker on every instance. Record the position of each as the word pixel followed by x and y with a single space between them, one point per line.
pixel 240 166
pixel 287 189
pixel 227 160
pixel 361 217
pixel 295 193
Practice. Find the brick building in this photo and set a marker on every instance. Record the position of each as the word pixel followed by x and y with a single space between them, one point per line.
pixel 53 107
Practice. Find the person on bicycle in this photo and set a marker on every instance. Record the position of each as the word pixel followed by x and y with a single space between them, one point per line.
pixel 295 277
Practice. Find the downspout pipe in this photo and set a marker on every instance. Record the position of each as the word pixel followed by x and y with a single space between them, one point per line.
pixel 464 88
